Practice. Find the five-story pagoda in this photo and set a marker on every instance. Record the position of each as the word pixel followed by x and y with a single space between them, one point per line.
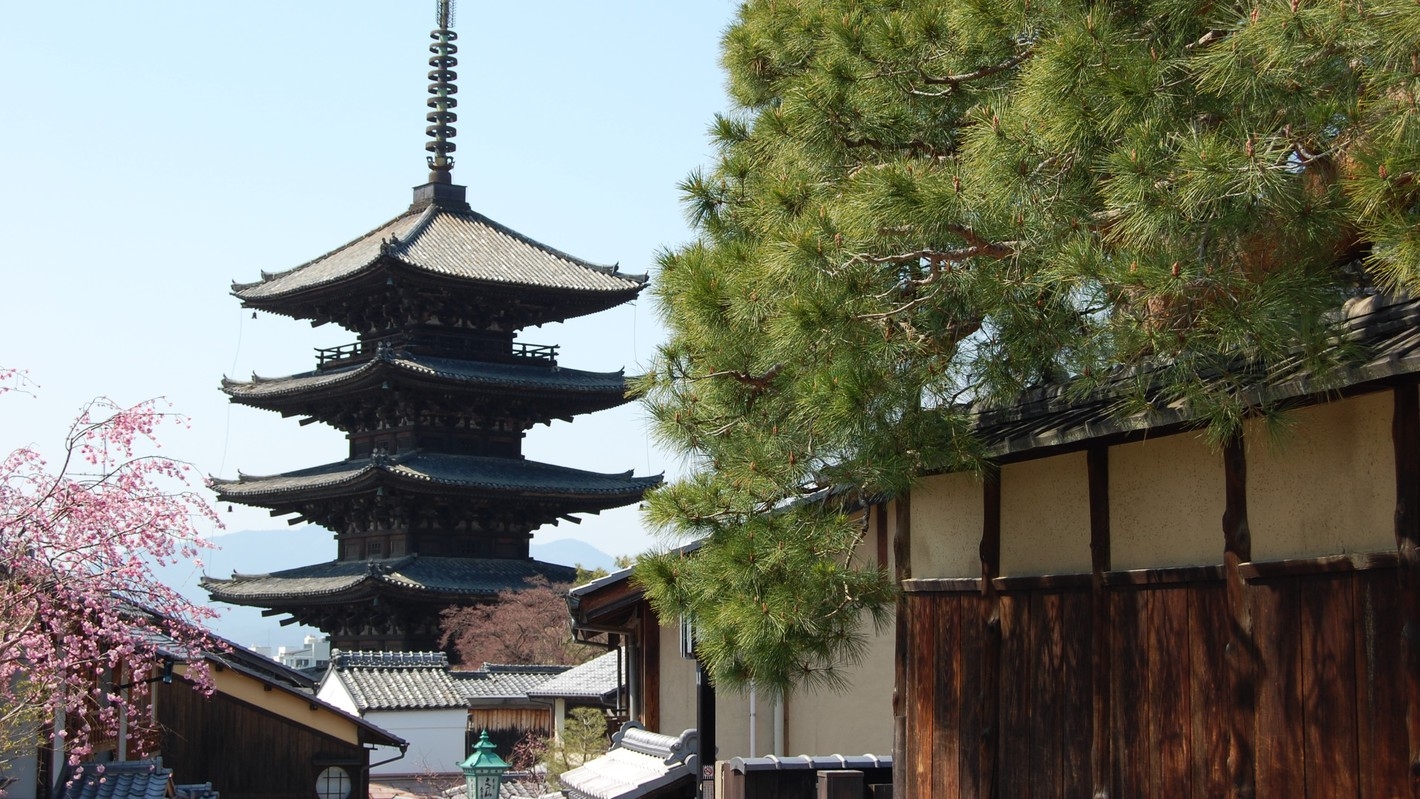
pixel 435 504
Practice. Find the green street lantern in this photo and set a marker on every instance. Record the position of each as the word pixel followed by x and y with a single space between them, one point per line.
pixel 483 770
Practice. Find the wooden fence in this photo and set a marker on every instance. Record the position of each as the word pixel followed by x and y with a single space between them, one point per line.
pixel 1158 690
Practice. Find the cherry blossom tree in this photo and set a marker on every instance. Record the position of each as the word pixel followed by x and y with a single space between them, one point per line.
pixel 523 625
pixel 83 623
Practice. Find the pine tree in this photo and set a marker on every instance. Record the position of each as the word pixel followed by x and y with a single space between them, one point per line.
pixel 920 206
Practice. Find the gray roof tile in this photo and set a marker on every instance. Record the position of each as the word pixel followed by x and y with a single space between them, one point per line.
pixel 398 680
pixel 506 682
pixel 640 763
pixel 134 779
pixel 455 243
pixel 595 679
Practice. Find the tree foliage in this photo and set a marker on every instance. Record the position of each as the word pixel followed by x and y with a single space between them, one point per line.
pixel 81 614
pixel 923 207
pixel 523 625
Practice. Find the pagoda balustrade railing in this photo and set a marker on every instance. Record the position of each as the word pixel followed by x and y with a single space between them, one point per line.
pixel 445 346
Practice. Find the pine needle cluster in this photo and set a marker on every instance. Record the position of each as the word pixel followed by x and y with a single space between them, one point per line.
pixel 920 208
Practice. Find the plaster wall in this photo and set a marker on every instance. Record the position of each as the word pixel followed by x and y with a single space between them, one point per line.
pixel 1166 503
pixel 296 708
pixel 946 526
pixel 1325 484
pixel 333 691
pixel 677 683
pixel 436 739
pixel 1045 516
pixel 854 721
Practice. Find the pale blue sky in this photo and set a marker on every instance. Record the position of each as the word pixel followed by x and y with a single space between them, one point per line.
pixel 152 152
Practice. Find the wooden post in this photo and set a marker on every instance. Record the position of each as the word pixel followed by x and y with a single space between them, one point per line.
pixel 705 729
pixel 1101 624
pixel 1240 657
pixel 1405 432
pixel 991 648
pixel 902 570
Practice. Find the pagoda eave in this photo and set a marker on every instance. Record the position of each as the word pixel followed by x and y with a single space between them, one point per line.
pixel 411 578
pixel 455 476
pixel 537 392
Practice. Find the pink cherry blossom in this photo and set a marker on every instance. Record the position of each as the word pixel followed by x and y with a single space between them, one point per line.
pixel 83 622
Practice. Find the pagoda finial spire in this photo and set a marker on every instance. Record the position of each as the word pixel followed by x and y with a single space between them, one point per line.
pixel 441 102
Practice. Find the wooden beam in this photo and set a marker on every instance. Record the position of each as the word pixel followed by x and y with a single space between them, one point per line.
pixel 1240 658
pixel 902 571
pixel 1101 653
pixel 1405 434
pixel 988 755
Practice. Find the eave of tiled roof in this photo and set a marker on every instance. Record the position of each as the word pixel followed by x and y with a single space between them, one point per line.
pixel 596 679
pixel 474 473
pixel 506 682
pixel 511 378
pixel 340 581
pixel 1385 328
pixel 454 243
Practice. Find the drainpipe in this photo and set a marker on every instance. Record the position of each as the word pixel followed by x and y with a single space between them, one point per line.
pixel 753 722
pixel 779 726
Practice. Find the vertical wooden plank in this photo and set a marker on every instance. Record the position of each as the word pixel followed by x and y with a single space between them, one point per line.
pixel 1208 633
pixel 1329 687
pixel 946 710
pixel 1097 463
pixel 1279 763
pixel 1241 658
pixel 1046 711
pixel 1169 656
pixel 902 570
pixel 1129 744
pixel 1383 746
pixel 924 674
pixel 1076 672
pixel 975 613
pixel 1405 435
pixel 989 757
pixel 651 670
pixel 1017 663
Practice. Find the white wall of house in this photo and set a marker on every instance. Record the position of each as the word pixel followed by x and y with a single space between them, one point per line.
pixel 436 737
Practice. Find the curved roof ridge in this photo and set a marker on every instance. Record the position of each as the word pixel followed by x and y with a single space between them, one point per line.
pixel 266 276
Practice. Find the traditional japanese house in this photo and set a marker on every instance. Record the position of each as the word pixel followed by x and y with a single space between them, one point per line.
pixel 434 504
pixel 1120 610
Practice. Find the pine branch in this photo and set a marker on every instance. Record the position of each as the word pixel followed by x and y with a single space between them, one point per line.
pixel 954 82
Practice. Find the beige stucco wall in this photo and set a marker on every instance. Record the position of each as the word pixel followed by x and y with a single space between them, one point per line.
pixel 677 683
pixel 1326 484
pixel 946 526
pixel 1166 501
pixel 298 709
pixel 1045 516
pixel 855 721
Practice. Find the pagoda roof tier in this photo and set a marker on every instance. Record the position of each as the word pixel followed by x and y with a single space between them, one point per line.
pixel 457 250
pixel 410 576
pixel 545 392
pixel 461 476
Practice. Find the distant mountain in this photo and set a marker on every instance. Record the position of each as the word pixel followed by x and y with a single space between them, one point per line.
pixel 261 551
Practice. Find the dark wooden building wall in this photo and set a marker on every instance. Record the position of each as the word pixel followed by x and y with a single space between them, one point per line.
pixel 1001 703
pixel 247 752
